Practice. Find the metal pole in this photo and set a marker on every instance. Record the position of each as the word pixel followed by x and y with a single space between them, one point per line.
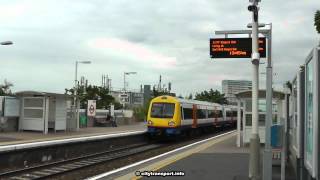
pixel 254 140
pixel 124 81
pixel 267 155
pixel 75 96
pixel 238 123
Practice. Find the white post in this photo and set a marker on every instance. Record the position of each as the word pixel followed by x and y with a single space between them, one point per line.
pixel 267 155
pixel 124 81
pixel 254 165
pixel 75 105
pixel 46 101
pixel 239 123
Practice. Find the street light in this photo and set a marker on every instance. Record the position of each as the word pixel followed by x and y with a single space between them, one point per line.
pixel 124 84
pixel 5 43
pixel 75 90
pixel 124 79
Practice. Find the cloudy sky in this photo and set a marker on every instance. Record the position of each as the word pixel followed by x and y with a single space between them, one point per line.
pixel 168 38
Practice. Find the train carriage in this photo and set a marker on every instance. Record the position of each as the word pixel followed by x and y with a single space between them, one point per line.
pixel 172 116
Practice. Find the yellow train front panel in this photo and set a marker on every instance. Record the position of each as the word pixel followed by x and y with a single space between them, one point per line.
pixel 164 115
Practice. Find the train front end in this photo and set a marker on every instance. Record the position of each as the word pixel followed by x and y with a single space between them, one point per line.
pixel 164 116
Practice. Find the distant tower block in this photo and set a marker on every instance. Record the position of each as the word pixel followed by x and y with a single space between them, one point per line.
pixel 146 94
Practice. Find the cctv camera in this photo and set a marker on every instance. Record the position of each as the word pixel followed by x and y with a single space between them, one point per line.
pixel 252 8
pixel 255 57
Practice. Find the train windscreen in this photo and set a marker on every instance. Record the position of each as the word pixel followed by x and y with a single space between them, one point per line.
pixel 162 110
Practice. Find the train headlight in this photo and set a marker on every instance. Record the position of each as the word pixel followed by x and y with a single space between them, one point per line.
pixel 171 123
pixel 150 122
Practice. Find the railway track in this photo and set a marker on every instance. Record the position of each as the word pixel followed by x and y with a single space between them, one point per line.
pixel 57 168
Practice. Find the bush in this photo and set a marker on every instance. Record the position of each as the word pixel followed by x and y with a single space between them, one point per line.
pixel 139 113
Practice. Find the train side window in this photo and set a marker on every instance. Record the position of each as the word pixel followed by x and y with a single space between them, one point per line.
pixel 211 114
pixel 234 113
pixel 181 113
pixel 228 113
pixel 187 113
pixel 219 113
pixel 201 113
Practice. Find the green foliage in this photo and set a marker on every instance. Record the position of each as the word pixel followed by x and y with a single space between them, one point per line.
pixel 117 105
pixel 2 92
pixel 211 96
pixel 140 113
pixel 157 93
pixel 289 85
pixel 5 88
pixel 317 20
pixel 100 94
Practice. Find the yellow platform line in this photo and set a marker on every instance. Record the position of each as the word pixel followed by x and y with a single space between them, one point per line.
pixel 169 160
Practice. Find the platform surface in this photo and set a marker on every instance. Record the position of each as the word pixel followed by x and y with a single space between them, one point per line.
pixel 216 159
pixel 219 161
pixel 11 138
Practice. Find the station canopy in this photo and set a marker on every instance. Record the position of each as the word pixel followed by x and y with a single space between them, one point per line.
pixel 262 94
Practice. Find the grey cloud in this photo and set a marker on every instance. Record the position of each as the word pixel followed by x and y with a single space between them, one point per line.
pixel 174 28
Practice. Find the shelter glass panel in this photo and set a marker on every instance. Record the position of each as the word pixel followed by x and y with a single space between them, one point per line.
pixel 274 119
pixel 249 105
pixel 248 119
pixel 262 119
pixel 33 113
pixel 262 105
pixel 309 112
pixel 33 102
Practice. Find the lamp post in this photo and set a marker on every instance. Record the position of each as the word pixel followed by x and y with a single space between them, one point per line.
pixel 6 43
pixel 124 79
pixel 124 84
pixel 75 91
pixel 267 155
pixel 254 163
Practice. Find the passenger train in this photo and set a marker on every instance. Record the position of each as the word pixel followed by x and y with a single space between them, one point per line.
pixel 171 116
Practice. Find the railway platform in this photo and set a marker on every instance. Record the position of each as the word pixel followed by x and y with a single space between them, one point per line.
pixel 23 137
pixel 215 159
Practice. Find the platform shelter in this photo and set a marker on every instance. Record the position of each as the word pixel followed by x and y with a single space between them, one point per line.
pixel 244 100
pixel 41 111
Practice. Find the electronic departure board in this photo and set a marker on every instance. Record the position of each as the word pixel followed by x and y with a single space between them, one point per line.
pixel 235 47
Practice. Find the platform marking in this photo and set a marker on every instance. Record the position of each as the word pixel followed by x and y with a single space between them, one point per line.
pixel 132 176
pixel 13 147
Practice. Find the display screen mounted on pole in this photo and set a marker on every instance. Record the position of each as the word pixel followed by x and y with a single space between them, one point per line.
pixel 235 47
pixel 91 111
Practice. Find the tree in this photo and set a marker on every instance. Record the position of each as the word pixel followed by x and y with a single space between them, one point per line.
pixel 91 92
pixel 5 88
pixel 317 20
pixel 157 93
pixel 289 85
pixel 211 96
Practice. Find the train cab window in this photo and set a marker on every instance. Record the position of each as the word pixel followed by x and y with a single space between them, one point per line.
pixel 187 113
pixel 162 110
